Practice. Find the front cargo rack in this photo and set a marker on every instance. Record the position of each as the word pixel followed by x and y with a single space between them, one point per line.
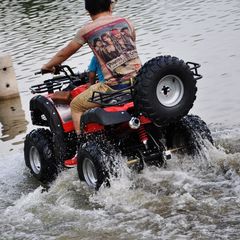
pixel 56 83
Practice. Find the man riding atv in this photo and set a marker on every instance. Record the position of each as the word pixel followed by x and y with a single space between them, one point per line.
pixel 143 121
pixel 118 60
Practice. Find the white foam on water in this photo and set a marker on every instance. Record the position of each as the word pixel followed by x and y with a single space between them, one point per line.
pixel 53 212
pixel 188 187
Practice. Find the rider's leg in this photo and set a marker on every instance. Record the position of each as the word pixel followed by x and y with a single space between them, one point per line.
pixel 80 104
pixel 76 116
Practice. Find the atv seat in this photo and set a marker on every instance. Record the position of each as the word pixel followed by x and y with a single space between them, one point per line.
pixel 100 116
pixel 61 97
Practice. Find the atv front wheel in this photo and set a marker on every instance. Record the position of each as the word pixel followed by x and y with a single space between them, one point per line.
pixel 165 89
pixel 39 157
pixel 188 135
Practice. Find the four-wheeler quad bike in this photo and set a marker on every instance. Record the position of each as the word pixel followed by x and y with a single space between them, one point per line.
pixel 143 122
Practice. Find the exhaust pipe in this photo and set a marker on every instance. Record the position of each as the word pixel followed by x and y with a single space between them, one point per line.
pixel 134 123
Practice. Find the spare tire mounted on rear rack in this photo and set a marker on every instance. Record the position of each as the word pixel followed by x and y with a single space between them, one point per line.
pixel 165 89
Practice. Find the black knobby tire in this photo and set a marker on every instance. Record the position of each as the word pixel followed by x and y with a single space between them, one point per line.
pixel 91 165
pixel 39 156
pixel 188 134
pixel 165 89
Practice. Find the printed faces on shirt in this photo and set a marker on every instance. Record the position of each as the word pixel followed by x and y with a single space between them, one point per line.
pixel 113 45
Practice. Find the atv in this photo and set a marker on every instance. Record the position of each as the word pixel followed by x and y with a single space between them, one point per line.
pixel 145 122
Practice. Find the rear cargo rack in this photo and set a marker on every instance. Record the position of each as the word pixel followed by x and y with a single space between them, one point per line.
pixel 113 98
pixel 126 95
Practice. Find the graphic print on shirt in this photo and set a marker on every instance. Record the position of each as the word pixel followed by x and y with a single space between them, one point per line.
pixel 113 44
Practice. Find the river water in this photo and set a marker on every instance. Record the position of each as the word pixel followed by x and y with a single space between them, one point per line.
pixel 193 198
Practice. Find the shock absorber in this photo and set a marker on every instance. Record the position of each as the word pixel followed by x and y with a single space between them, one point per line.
pixel 143 136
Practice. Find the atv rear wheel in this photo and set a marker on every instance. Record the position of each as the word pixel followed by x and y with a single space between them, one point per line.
pixel 188 135
pixel 165 89
pixel 91 166
pixel 39 157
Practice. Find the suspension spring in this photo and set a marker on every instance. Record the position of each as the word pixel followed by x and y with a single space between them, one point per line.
pixel 142 134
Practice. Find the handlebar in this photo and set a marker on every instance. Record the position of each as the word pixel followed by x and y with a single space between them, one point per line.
pixel 58 69
pixel 58 82
pixel 42 71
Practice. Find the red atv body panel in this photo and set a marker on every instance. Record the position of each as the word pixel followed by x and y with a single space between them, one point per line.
pixel 64 112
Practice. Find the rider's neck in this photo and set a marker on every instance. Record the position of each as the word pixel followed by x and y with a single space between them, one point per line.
pixel 102 14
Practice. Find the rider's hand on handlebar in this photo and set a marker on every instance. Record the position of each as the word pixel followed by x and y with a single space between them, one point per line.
pixel 46 69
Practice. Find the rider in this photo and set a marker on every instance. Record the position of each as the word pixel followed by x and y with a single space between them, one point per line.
pixel 123 65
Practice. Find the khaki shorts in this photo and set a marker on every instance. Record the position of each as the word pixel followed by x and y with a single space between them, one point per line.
pixel 80 103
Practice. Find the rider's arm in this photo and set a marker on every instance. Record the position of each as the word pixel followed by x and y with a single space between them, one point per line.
pixel 62 55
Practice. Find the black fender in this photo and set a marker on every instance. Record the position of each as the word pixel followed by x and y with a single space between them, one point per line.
pixel 44 113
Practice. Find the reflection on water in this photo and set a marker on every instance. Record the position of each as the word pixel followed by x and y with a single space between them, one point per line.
pixel 190 199
pixel 12 119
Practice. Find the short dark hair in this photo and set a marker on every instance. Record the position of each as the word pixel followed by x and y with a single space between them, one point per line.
pixel 97 6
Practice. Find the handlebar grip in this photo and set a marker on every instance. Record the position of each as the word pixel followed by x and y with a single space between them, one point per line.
pixel 43 71
pixel 36 73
